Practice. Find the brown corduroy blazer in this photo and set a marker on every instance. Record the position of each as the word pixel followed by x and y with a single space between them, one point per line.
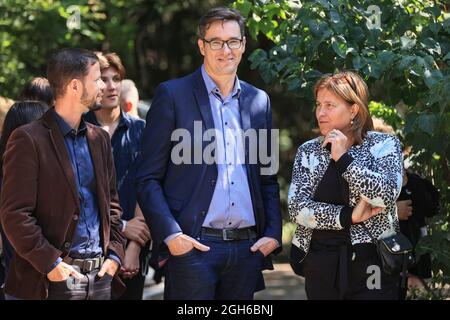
pixel 39 206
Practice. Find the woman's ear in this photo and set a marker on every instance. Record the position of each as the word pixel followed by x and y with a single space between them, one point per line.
pixel 354 109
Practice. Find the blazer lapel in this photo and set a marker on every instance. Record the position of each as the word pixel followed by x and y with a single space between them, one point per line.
pixel 61 152
pixel 96 149
pixel 201 95
pixel 245 107
pixel 245 103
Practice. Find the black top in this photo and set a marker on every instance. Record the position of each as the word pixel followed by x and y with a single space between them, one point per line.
pixel 332 189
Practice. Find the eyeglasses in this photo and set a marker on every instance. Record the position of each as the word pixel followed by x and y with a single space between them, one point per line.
pixel 218 44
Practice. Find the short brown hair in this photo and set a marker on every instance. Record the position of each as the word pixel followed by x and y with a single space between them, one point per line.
pixel 220 14
pixel 352 88
pixel 111 60
pixel 67 64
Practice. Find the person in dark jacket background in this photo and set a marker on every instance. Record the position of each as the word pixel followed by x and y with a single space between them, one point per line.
pixel 418 200
pixel 20 114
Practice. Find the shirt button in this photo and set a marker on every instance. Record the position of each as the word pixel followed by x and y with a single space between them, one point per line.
pixel 203 213
pixel 75 217
pixel 232 182
pixel 229 223
pixel 226 123
pixel 66 245
pixel 232 204
pixel 213 182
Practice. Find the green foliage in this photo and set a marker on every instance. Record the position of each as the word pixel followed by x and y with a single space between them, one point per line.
pixel 29 30
pixel 405 61
pixel 155 39
pixel 292 43
pixel 388 114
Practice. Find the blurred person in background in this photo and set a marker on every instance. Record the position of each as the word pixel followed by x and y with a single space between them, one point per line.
pixel 129 100
pixel 418 201
pixel 125 132
pixel 21 113
pixel 38 89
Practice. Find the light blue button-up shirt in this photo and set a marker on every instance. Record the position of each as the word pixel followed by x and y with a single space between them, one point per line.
pixel 231 205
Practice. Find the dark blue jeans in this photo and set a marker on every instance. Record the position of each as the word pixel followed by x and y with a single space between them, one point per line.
pixel 228 271
pixel 90 287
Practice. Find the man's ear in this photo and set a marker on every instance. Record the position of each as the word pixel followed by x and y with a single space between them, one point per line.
pixel 128 106
pixel 74 86
pixel 244 41
pixel 201 46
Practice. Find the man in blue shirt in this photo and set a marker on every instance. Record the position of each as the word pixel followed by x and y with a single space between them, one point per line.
pixel 214 223
pixel 59 204
pixel 125 132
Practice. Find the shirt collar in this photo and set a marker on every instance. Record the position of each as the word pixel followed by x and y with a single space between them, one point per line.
pixel 65 127
pixel 212 88
pixel 124 119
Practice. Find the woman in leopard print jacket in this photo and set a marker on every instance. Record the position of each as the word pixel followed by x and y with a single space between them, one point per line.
pixel 348 177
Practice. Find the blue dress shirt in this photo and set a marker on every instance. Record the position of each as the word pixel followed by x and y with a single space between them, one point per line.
pixel 231 205
pixel 86 241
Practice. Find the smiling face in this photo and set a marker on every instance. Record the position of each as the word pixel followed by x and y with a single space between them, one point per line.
pixel 92 88
pixel 113 88
pixel 333 112
pixel 223 62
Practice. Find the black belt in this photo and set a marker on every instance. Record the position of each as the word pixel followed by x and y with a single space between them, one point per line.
pixel 230 234
pixel 85 265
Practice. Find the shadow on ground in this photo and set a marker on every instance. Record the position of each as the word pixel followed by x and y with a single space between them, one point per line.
pixel 281 284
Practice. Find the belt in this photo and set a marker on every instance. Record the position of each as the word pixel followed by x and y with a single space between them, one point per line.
pixel 230 234
pixel 85 265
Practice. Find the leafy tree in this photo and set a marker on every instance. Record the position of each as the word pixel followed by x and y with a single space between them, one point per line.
pixel 404 58
pixel 156 39
pixel 30 30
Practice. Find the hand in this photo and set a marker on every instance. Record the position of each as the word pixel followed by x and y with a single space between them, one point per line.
pixel 266 245
pixel 364 211
pixel 110 267
pixel 183 244
pixel 404 209
pixel 137 230
pixel 131 265
pixel 62 272
pixel 339 143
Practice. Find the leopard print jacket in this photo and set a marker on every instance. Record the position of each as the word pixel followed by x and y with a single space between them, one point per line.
pixel 375 174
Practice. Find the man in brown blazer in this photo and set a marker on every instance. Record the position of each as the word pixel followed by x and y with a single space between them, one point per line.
pixel 59 205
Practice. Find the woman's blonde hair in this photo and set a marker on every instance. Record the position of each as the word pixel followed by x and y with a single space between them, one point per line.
pixel 352 88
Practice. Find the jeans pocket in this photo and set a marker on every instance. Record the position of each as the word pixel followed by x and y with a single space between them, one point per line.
pixel 106 277
pixel 59 283
pixel 185 255
pixel 259 252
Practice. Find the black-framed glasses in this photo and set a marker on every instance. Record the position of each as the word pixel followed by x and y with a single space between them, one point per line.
pixel 218 44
